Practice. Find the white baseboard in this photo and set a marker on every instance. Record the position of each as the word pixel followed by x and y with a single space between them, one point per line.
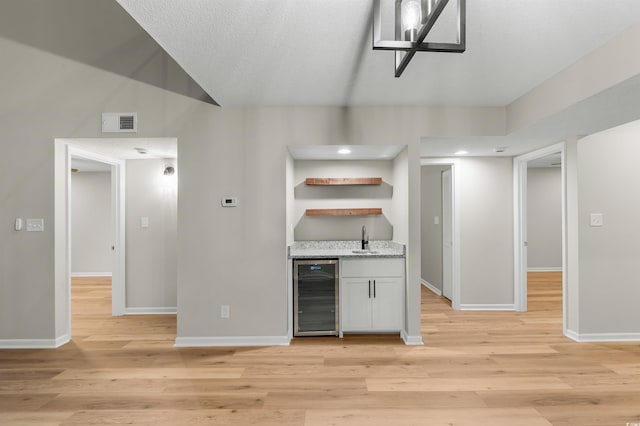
pixel 603 337
pixel 487 307
pixel 545 269
pixel 411 340
pixel 185 342
pixel 151 311
pixel 34 343
pixel 91 274
pixel 431 287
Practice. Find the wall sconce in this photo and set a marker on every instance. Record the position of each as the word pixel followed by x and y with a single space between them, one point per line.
pixel 414 19
pixel 169 178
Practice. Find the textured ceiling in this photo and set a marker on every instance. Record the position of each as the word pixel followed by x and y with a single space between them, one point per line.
pixel 318 52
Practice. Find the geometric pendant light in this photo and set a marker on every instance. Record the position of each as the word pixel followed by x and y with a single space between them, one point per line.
pixel 414 19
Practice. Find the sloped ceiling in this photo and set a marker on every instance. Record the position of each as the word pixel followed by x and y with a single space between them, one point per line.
pixel 97 33
pixel 318 52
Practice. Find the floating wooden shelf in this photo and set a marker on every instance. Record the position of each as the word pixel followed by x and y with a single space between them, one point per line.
pixel 344 181
pixel 343 212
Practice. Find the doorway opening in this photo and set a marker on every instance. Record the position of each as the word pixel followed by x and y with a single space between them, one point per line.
pixel 151 240
pixel 535 240
pixel 440 261
pixel 87 236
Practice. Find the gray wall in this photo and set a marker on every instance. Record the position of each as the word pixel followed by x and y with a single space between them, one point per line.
pixel 91 225
pixel 544 218
pixel 152 265
pixel 431 206
pixel 609 176
pixel 484 186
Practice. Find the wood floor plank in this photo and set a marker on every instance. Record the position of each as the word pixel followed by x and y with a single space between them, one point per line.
pixel 150 373
pixel 206 417
pixel 341 400
pixel 464 384
pixel 30 418
pixel 147 401
pixel 435 417
pixel 24 401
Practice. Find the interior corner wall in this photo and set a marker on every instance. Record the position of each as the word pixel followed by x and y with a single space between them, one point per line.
pixel 485 188
pixel 290 219
pixel 431 233
pixel 379 227
pixel 151 251
pixel 400 200
pixel 91 224
pixel 544 218
pixel 608 176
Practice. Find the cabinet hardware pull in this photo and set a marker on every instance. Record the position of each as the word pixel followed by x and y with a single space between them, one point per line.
pixel 374 289
pixel 369 289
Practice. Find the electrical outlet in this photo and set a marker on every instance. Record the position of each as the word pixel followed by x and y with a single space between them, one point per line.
pixel 224 311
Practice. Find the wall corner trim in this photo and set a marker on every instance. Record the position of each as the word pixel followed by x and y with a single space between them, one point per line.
pixel 487 307
pixel 186 342
pixel 602 337
pixel 156 310
pixel 34 343
pixel 91 274
pixel 411 340
pixel 544 269
pixel 431 287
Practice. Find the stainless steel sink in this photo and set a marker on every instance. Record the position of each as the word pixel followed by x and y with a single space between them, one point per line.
pixel 358 251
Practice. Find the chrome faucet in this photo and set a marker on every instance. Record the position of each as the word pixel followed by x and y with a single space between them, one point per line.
pixel 365 238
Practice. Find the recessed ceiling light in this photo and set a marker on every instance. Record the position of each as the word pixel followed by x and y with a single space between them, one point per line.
pixel 344 151
pixel 461 152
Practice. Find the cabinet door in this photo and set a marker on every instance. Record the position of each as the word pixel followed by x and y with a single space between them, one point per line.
pixel 356 304
pixel 387 305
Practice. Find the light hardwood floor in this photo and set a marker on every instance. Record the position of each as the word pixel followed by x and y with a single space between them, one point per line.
pixel 476 368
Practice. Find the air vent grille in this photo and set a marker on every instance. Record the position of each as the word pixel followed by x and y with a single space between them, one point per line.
pixel 119 122
pixel 126 122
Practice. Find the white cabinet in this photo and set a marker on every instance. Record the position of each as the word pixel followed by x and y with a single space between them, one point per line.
pixel 372 294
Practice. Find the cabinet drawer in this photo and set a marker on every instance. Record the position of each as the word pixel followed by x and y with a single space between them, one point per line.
pixel 380 267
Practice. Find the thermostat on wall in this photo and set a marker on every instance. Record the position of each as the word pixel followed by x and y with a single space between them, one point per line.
pixel 229 202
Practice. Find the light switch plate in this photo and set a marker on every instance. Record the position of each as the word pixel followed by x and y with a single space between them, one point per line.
pixel 436 220
pixel 144 222
pixel 224 311
pixel 35 225
pixel 596 219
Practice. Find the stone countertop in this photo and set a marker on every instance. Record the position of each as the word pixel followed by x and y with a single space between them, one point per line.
pixel 334 249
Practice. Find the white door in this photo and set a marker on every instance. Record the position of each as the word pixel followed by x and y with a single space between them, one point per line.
pixel 447 235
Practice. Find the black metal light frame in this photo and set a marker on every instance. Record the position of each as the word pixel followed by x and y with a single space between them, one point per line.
pixel 405 50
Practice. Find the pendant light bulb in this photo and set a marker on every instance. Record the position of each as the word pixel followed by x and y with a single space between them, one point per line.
pixel 411 18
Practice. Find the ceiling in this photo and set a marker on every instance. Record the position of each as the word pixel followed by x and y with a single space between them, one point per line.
pixel 319 53
pixel 122 149
pixel 345 152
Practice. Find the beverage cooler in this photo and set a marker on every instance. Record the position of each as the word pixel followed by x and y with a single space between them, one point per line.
pixel 315 302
